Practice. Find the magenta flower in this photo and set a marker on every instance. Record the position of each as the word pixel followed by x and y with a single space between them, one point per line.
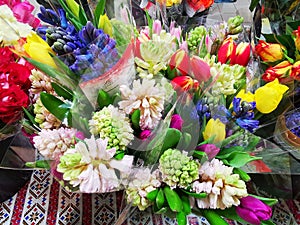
pixel 176 122
pixel 253 210
pixel 145 134
pixel 210 149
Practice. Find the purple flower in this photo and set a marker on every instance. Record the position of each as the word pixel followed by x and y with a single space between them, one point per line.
pixel 145 134
pixel 253 210
pixel 210 149
pixel 176 122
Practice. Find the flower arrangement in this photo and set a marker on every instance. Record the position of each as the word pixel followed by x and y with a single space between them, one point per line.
pixel 174 135
pixel 14 70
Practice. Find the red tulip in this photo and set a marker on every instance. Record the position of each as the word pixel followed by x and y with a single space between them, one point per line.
pixel 297 35
pixel 226 50
pixel 242 54
pixel 181 61
pixel 200 69
pixel 280 71
pixel 296 70
pixel 185 83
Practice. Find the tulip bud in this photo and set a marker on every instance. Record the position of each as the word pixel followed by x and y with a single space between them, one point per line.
pixel 105 24
pixel 253 210
pixel 185 83
pixel 156 28
pixel 226 50
pixel 181 61
pixel 242 54
pixel 210 149
pixel 176 122
pixel 73 6
pixel 269 52
pixel 200 69
pixel 216 129
pixel 281 70
pixel 297 35
pixel 296 70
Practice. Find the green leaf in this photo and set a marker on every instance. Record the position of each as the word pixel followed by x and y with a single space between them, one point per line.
pixel 45 164
pixel 60 77
pixel 172 138
pixel 243 175
pixel 213 217
pixel 160 199
pixel 55 106
pixel 200 155
pixel 254 140
pixel 195 195
pixel 227 151
pixel 267 222
pixel 237 159
pixel 135 119
pixel 186 206
pixel 103 99
pixel 69 14
pixel 163 210
pixel 82 17
pixel 30 116
pixel 62 91
pixel 253 4
pixel 99 11
pixel 268 201
pixel 181 218
pixel 230 213
pixel 119 155
pixel 231 138
pixel 152 195
pixel 173 199
pixel 184 141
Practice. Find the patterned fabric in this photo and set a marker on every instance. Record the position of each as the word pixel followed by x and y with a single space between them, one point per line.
pixel 43 201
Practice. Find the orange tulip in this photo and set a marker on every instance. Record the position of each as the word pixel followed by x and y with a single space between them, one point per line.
pixel 280 71
pixel 181 61
pixel 269 52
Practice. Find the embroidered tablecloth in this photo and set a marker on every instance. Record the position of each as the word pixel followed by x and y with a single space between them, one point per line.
pixel 43 201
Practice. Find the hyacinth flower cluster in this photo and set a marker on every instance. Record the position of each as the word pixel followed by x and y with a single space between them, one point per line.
pixel 88 52
pixel 168 135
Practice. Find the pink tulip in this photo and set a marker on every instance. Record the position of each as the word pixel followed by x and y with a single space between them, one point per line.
pixel 176 122
pixel 253 210
pixel 200 69
pixel 181 61
pixel 156 28
pixel 210 149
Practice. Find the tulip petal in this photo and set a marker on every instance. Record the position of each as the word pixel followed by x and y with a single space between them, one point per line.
pixel 247 215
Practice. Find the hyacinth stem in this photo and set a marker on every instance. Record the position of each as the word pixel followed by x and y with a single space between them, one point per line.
pixel 212 217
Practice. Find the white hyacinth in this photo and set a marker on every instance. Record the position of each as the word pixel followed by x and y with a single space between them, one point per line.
pixel 148 97
pixel 223 188
pixel 53 143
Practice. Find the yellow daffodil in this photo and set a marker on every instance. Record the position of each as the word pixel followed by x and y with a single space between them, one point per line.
pixel 269 96
pixel 39 50
pixel 214 128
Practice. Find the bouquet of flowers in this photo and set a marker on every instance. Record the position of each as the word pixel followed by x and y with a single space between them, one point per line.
pixel 174 134
pixel 14 70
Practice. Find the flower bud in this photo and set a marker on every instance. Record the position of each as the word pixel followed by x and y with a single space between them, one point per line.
pixel 296 70
pixel 281 70
pixel 200 69
pixel 176 122
pixel 181 61
pixel 216 129
pixel 242 54
pixel 185 83
pixel 156 27
pixel 105 24
pixel 297 40
pixel 210 149
pixel 269 52
pixel 253 210
pixel 226 50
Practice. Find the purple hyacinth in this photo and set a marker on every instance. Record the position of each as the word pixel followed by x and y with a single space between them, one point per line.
pixel 293 123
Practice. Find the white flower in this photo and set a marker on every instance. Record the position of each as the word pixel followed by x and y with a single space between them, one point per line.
pixel 91 166
pixel 224 188
pixel 11 30
pixel 146 96
pixel 53 143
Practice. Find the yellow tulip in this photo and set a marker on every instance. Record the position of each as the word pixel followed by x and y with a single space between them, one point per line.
pixel 268 97
pixel 39 50
pixel 105 24
pixel 245 96
pixel 73 6
pixel 214 128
